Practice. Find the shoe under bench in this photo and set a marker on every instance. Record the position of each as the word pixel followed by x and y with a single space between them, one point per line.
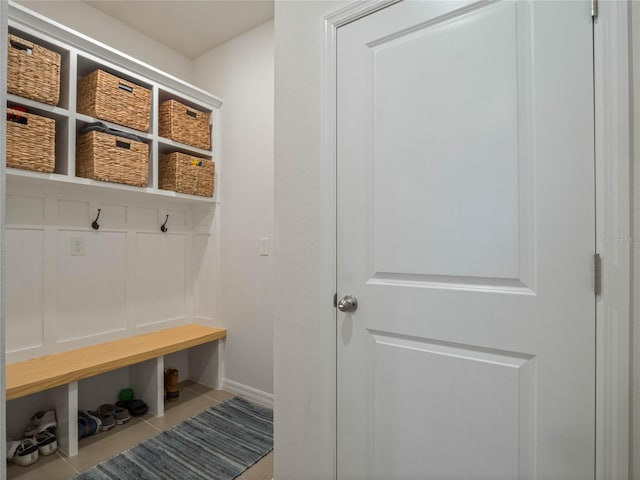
pixel 58 374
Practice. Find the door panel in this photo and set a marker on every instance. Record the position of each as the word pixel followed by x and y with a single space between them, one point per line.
pixel 501 385
pixel 472 224
pixel 466 231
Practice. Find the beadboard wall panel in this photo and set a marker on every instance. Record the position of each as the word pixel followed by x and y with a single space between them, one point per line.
pixel 177 218
pixel 91 288
pixel 73 213
pixel 25 291
pixel 131 279
pixel 160 282
pixel 147 218
pixel 24 209
pixel 113 216
pixel 203 263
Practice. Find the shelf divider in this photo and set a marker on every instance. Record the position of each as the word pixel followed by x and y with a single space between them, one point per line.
pixel 71 137
pixel 155 155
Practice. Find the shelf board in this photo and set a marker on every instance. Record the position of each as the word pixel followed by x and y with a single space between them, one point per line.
pixel 58 179
pixel 42 108
pixel 183 196
pixel 43 373
pixel 87 119
pixel 181 147
pixel 28 174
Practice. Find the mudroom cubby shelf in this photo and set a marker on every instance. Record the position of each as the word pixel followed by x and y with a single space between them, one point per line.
pixel 80 56
pixel 70 381
pixel 146 261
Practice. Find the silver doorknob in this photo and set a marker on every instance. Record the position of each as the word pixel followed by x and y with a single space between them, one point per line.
pixel 349 303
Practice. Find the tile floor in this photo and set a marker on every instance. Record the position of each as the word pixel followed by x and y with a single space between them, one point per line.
pixel 194 399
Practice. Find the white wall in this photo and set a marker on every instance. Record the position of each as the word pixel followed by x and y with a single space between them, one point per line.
pixel 241 72
pixel 304 379
pixel 90 21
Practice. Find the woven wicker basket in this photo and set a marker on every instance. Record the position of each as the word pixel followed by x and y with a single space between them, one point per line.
pixel 186 174
pixel 33 71
pixel 109 158
pixel 31 145
pixel 107 97
pixel 184 124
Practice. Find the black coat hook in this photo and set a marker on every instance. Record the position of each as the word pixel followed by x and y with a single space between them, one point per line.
pixel 95 225
pixel 164 228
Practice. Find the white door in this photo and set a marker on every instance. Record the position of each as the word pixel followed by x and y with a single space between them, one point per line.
pixel 465 173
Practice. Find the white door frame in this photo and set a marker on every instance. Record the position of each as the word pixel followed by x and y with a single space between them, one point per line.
pixel 3 144
pixel 613 226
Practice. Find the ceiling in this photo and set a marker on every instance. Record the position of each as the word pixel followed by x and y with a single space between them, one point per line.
pixel 187 26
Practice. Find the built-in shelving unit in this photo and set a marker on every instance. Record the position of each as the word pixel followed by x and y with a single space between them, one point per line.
pixel 80 56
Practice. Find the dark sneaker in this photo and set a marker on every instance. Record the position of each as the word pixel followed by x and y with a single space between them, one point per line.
pixel 92 423
pixel 121 415
pixel 136 408
pixel 106 420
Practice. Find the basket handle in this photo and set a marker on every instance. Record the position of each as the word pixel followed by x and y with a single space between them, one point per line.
pixel 17 116
pixel 20 120
pixel 190 113
pixel 23 47
pixel 122 144
pixel 126 88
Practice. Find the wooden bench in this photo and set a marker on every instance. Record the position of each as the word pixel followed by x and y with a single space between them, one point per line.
pixel 58 374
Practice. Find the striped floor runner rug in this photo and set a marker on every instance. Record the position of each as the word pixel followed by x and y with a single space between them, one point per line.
pixel 217 444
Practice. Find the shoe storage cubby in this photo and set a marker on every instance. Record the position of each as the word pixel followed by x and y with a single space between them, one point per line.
pixel 80 56
pixel 199 364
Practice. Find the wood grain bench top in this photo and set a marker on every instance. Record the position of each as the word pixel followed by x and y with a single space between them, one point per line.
pixel 38 374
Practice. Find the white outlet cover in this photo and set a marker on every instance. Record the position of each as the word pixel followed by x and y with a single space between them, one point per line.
pixel 264 246
pixel 77 247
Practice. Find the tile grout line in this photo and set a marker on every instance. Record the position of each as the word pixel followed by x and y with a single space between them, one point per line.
pixel 192 390
pixel 64 459
pixel 144 420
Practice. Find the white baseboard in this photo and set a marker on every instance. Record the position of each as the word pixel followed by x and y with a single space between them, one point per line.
pixel 250 393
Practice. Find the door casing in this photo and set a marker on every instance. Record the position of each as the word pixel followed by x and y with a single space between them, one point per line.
pixel 3 148
pixel 613 226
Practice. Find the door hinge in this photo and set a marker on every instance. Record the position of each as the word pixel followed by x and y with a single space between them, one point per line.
pixel 597 274
pixel 335 300
pixel 594 9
